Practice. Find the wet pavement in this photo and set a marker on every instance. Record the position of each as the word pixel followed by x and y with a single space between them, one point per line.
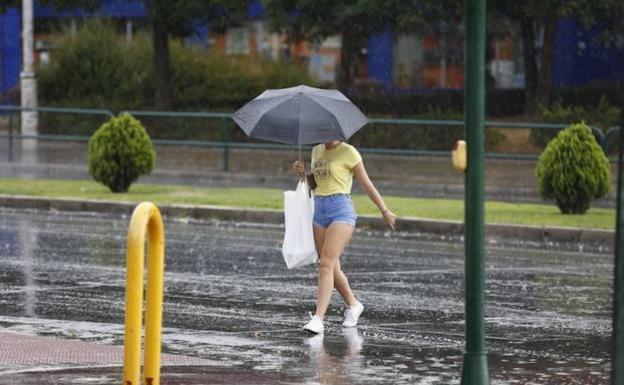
pixel 229 300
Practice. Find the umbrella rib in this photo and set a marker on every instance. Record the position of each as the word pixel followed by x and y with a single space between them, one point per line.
pixel 264 116
pixel 299 122
pixel 347 102
pixel 264 110
pixel 336 122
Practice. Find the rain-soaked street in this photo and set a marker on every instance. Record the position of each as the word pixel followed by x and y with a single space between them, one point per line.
pixel 230 301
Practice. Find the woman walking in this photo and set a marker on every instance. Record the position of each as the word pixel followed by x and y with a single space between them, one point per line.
pixel 333 166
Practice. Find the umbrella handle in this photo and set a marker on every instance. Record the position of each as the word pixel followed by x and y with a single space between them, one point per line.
pixel 301 161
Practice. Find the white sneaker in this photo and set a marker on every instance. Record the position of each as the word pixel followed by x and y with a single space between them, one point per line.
pixel 315 325
pixel 352 314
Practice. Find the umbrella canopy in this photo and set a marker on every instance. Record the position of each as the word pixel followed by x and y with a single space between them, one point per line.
pixel 300 115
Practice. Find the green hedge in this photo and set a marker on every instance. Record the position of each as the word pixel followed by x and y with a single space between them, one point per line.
pixel 92 69
pixel 499 102
pixel 591 95
pixel 97 68
pixel 602 115
pixel 421 137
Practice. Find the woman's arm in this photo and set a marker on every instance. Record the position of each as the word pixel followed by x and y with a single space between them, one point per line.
pixel 362 176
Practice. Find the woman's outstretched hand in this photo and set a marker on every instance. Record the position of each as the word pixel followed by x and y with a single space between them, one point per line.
pixel 390 218
pixel 298 168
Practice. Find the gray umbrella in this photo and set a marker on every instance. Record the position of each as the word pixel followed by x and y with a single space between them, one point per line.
pixel 300 115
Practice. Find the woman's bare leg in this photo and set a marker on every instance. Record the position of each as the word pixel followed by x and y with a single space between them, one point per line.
pixel 319 237
pixel 336 237
pixel 341 283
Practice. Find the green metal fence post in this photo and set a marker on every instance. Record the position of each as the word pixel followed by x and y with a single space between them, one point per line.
pixel 475 367
pixel 604 144
pixel 10 154
pixel 225 137
pixel 617 364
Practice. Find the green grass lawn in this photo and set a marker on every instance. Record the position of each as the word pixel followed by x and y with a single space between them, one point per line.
pixel 445 209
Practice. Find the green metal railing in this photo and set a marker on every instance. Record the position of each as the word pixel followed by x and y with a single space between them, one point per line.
pixel 601 138
pixel 225 132
pixel 225 143
pixel 69 138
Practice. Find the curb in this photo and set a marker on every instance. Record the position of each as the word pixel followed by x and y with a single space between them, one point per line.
pixel 548 237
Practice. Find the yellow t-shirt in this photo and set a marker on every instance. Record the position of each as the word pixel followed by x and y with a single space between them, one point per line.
pixel 333 168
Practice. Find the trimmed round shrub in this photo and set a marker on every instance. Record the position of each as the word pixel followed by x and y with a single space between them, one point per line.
pixel 573 170
pixel 120 151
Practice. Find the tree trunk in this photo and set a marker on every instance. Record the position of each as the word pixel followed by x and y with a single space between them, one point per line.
pixel 162 75
pixel 544 87
pixel 348 56
pixel 530 67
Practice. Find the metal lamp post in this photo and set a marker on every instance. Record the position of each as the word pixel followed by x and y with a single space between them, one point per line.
pixel 28 83
pixel 475 368
pixel 617 364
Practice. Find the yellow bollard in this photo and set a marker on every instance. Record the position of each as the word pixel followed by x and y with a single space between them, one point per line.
pixel 458 156
pixel 146 216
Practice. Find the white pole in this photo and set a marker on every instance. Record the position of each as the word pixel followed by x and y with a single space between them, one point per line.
pixel 28 83
pixel 129 31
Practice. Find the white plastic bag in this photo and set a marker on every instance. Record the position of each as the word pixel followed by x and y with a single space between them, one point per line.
pixel 298 248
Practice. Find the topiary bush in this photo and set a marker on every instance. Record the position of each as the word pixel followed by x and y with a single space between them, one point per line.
pixel 120 151
pixel 573 170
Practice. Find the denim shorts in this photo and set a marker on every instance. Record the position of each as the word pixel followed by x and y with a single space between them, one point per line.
pixel 336 208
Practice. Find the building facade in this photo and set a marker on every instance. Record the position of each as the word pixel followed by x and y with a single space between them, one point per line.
pixel 388 61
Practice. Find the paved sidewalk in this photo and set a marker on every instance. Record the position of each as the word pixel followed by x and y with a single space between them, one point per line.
pixel 19 351
pixel 34 360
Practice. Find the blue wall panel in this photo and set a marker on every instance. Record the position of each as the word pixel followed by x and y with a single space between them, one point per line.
pixel 110 8
pixel 379 57
pixel 580 57
pixel 564 63
pixel 10 49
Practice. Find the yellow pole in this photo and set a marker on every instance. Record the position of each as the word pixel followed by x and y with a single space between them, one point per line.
pixel 153 313
pixel 146 217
